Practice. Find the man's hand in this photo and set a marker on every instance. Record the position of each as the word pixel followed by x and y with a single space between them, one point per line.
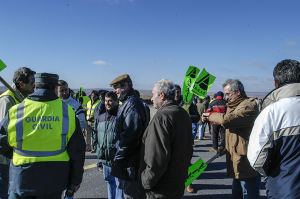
pixel 205 117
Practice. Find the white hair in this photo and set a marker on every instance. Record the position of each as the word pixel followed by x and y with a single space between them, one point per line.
pixel 167 87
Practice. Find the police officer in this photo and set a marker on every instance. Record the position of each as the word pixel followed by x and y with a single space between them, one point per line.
pixel 23 83
pixel 44 137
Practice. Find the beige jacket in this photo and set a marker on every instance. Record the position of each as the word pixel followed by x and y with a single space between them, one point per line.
pixel 238 121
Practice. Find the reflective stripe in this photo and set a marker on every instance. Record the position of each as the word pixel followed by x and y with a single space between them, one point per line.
pixel 38 153
pixel 19 136
pixel 19 125
pixel 65 125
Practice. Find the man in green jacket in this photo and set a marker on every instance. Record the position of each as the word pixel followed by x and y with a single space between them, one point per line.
pixel 106 138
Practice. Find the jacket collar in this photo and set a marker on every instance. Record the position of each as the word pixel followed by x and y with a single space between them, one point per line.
pixel 288 90
pixel 43 95
pixel 236 102
pixel 126 95
pixel 168 103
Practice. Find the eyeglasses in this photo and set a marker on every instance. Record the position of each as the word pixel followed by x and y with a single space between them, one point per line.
pixel 229 94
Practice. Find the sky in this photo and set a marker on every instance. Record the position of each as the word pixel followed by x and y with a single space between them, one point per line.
pixel 90 42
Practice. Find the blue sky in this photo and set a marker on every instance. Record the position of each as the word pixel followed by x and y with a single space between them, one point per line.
pixel 89 42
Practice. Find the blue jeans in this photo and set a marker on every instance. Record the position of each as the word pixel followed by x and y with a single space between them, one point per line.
pixel 4 170
pixel 114 185
pixel 194 129
pixel 201 130
pixel 246 188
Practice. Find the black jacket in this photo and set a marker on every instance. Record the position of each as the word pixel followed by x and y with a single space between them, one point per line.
pixel 46 177
pixel 131 123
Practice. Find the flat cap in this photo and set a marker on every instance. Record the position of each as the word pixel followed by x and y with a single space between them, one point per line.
pixel 121 78
pixel 46 78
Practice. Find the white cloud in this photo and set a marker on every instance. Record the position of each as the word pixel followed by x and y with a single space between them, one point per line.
pixel 290 43
pixel 100 62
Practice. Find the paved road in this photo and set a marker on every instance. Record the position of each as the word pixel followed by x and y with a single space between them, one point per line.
pixel 211 184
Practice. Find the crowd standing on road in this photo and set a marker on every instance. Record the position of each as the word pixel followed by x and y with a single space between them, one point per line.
pixel 44 137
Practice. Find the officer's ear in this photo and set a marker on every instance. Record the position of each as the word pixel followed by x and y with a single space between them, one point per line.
pixel 162 96
pixel 276 83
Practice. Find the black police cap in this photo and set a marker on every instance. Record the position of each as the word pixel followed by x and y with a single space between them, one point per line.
pixel 46 78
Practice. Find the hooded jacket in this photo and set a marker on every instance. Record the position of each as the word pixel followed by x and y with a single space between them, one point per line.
pixel 274 148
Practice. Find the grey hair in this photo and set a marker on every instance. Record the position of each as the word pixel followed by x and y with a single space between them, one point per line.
pixel 167 87
pixel 235 85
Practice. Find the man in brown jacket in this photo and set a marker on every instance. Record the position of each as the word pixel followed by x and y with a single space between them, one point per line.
pixel 238 122
pixel 166 146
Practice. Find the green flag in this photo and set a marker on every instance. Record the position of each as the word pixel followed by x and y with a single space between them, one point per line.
pixel 189 79
pixel 2 65
pixel 194 171
pixel 80 91
pixel 202 84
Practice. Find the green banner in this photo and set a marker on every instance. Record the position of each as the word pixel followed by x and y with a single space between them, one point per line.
pixel 194 171
pixel 189 79
pixel 2 65
pixel 202 84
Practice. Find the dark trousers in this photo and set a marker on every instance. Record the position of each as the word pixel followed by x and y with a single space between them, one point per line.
pixel 218 131
pixel 4 170
pixel 46 196
pixel 133 190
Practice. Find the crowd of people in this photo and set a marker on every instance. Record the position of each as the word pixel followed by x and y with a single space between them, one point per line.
pixel 44 137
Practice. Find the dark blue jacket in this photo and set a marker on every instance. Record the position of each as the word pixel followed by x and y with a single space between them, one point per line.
pixel 45 177
pixel 131 124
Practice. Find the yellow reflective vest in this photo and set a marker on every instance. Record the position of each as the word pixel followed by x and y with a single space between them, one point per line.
pixel 40 131
pixel 91 109
pixel 11 94
pixel 85 100
pixel 4 160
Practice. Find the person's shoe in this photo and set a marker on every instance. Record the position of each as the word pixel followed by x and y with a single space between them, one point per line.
pixel 88 148
pixel 190 189
pixel 212 149
pixel 221 151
